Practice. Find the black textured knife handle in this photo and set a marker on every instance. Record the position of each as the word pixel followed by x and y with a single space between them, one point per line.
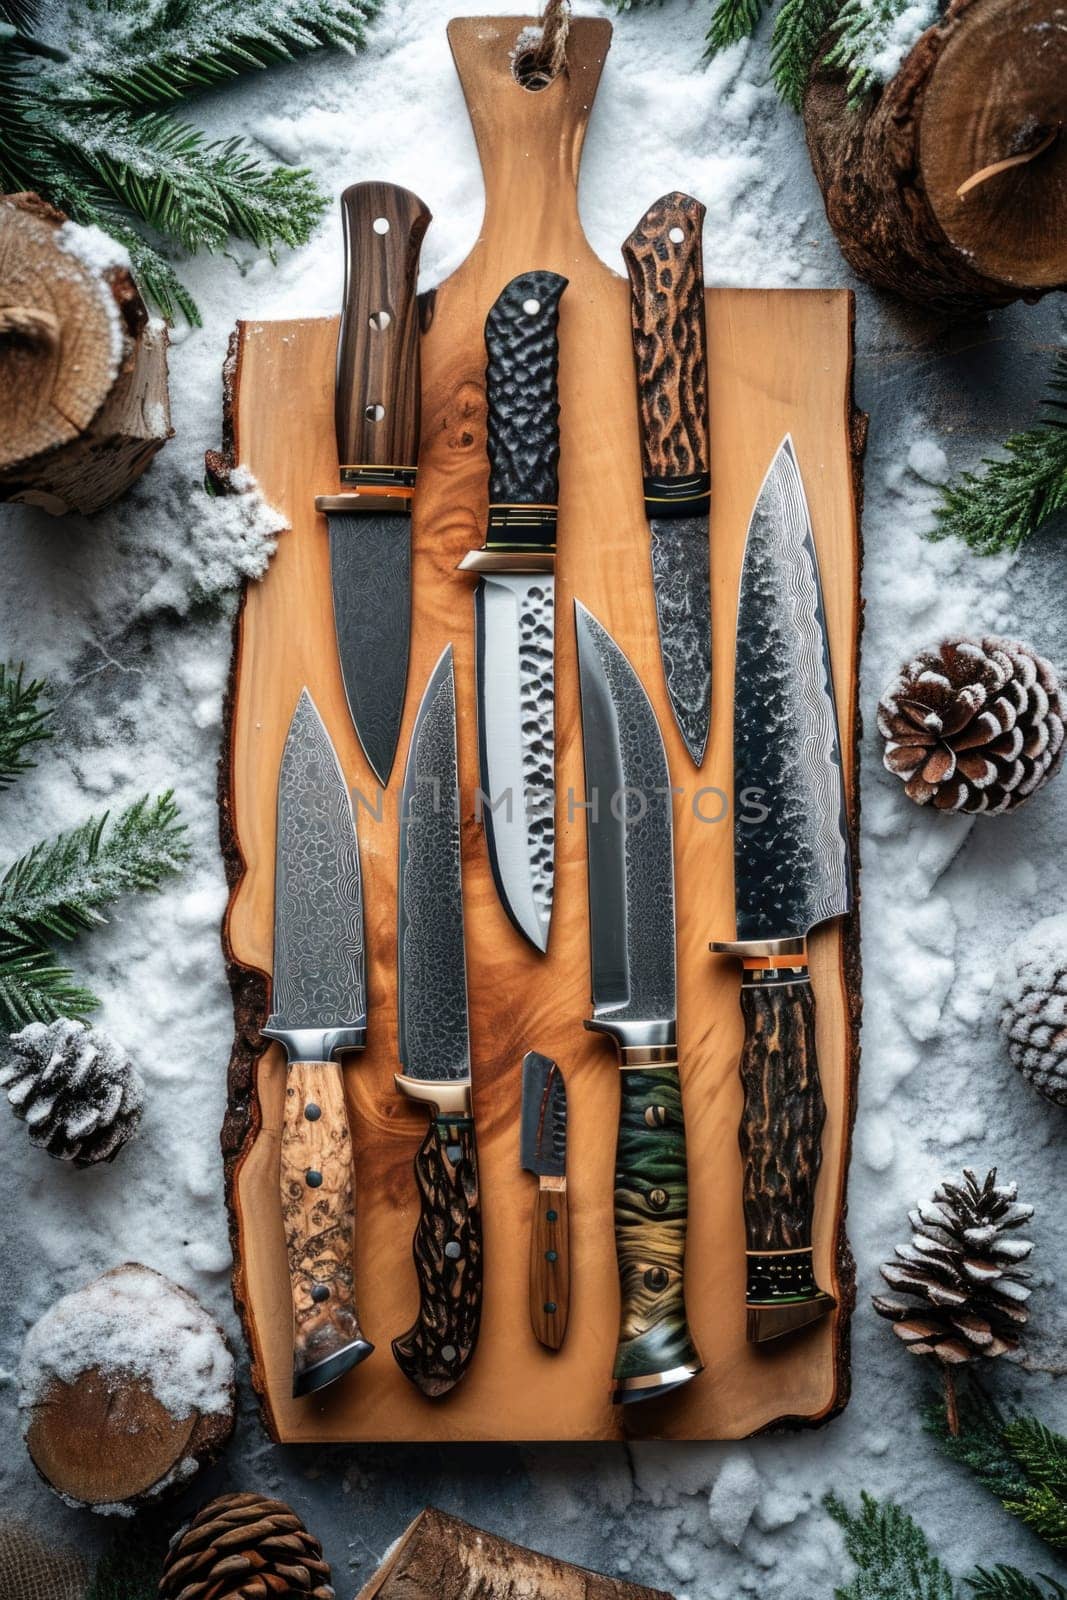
pixel 436 1351
pixel 665 261
pixel 377 398
pixel 521 382
pixel 781 1150
pixel 656 1350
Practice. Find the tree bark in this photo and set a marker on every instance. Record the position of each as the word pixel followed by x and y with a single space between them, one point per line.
pixel 441 1558
pixel 83 369
pixel 978 105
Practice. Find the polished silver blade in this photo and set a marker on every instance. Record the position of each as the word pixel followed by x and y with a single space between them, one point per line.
pixel 543 1138
pixel 629 830
pixel 791 854
pixel 681 576
pixel 514 623
pixel 319 956
pixel 432 976
pixel 370 572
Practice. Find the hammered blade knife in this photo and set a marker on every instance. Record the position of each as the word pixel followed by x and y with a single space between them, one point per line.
pixel 665 262
pixel 319 1008
pixel 377 419
pixel 631 929
pixel 791 872
pixel 543 1145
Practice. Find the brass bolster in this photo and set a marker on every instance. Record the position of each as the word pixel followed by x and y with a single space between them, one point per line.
pixel 508 561
pixel 448 1097
pixel 764 952
pixel 647 1055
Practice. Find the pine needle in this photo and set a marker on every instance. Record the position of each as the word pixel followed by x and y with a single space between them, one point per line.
pixel 892 1556
pixel 24 721
pixel 34 988
pixel 732 20
pixel 1008 1583
pixel 1022 1461
pixel 799 28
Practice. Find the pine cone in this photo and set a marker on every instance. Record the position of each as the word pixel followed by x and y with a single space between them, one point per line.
pixel 75 1088
pixel 962 1267
pixel 244 1547
pixel 973 725
pixel 1033 1017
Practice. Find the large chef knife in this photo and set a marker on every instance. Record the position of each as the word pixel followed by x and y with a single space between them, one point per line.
pixel 319 1008
pixel 543 1144
pixel 665 262
pixel 377 419
pixel 515 599
pixel 435 1049
pixel 791 872
pixel 631 917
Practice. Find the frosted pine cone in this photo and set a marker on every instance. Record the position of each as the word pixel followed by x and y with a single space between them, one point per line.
pixel 973 725
pixel 1033 1016
pixel 75 1088
pixel 245 1547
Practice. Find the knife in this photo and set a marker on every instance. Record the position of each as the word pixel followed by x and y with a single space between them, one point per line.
pixel 376 413
pixel 319 998
pixel 543 1145
pixel 435 1050
pixel 514 604
pixel 631 932
pixel 791 873
pixel 664 259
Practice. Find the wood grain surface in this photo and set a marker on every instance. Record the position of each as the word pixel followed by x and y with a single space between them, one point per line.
pixel 777 361
pixel 550 1263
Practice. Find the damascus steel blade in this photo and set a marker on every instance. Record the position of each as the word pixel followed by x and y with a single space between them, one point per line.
pixel 514 623
pixel 370 571
pixel 319 956
pixel 432 976
pixel 681 575
pixel 791 855
pixel 543 1140
pixel 629 828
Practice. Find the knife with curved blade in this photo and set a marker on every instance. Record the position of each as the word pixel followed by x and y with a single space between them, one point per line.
pixel 435 1050
pixel 377 418
pixel 665 262
pixel 543 1146
pixel 514 603
pixel 791 872
pixel 631 935
pixel 319 1008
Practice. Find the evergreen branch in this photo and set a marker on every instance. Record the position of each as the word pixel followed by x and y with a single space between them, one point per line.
pixel 1022 1462
pixel 892 1556
pixel 33 988
pixel 730 21
pixel 21 14
pixel 998 509
pixel 979 1446
pixel 1008 1583
pixel 129 1570
pixel 869 46
pixel 24 721
pixel 799 28
pixel 61 886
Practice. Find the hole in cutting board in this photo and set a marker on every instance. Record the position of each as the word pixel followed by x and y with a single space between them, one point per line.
pixel 528 72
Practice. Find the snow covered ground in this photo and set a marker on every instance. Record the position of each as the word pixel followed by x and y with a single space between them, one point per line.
pixel 119 614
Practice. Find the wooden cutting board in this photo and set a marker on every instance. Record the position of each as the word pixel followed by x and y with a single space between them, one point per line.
pixel 779 360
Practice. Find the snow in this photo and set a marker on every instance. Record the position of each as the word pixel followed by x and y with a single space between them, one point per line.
pixel 890 41
pixel 130 616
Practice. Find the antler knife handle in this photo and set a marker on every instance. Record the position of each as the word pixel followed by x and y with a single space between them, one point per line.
pixel 550 1271
pixel 781 1150
pixel 436 1351
pixel 319 1217
pixel 656 1350
pixel 377 398
pixel 521 380
pixel 664 259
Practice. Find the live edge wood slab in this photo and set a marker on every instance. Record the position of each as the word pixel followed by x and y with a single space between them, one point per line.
pixel 778 361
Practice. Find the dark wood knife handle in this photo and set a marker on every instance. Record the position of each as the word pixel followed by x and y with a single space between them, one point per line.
pixel 377 397
pixel 319 1219
pixel 781 1151
pixel 550 1269
pixel 436 1351
pixel 665 261
pixel 522 394
pixel 656 1349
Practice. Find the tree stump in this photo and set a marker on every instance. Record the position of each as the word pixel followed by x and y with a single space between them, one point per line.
pixel 83 369
pixel 126 1388
pixel 441 1558
pixel 949 186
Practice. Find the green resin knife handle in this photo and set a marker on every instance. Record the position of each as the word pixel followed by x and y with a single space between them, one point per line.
pixel 377 400
pixel 664 259
pixel 656 1350
pixel 447 1248
pixel 781 1151
pixel 522 346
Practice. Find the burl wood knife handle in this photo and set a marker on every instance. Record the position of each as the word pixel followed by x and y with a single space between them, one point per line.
pixel 319 1218
pixel 377 398
pixel 436 1351
pixel 664 259
pixel 781 1151
pixel 521 382
pixel 550 1271
pixel 656 1350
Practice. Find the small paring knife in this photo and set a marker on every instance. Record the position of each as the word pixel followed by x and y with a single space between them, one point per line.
pixel 544 1153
